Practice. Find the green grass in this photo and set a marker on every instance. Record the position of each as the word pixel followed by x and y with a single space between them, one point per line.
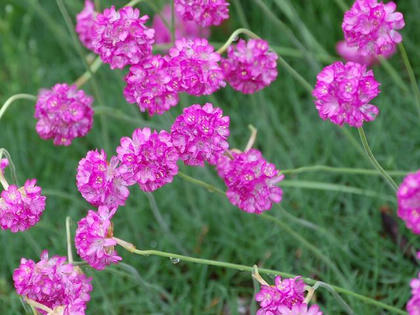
pixel 36 51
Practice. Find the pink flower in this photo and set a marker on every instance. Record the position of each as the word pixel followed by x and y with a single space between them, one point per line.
pixel 349 53
pixel 200 134
pixel 121 37
pixel 21 208
pixel 94 239
pixel 413 305
pixel 408 196
pixel 286 293
pixel 372 27
pixel 63 113
pixel 195 64
pixel 53 283
pixel 148 158
pixel 183 29
pixel 204 12
pixel 251 181
pixel 343 92
pixel 300 309
pixel 85 25
pixel 100 182
pixel 250 66
pixel 3 164
pixel 152 86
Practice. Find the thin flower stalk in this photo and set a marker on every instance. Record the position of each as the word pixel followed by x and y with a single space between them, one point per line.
pixel 10 100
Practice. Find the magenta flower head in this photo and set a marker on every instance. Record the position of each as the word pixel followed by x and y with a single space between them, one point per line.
pixel 250 66
pixel 343 93
pixel 285 293
pixel 53 283
pixel 372 27
pixel 152 86
pixel 63 113
pixel 203 12
pixel 85 24
pixel 94 239
pixel 413 305
pixel 408 196
pixel 121 37
pixel 250 180
pixel 148 158
pixel 200 134
pixel 196 65
pixel 183 29
pixel 21 208
pixel 100 182
pixel 300 309
pixel 3 164
pixel 349 53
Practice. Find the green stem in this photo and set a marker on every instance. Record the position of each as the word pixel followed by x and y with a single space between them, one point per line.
pixel 209 187
pixel 132 249
pixel 411 75
pixel 68 235
pixel 305 84
pixel 394 74
pixel 96 64
pixel 13 98
pixel 341 170
pixel 234 36
pixel 374 162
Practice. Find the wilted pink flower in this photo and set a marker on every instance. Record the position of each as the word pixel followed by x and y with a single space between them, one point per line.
pixel 251 181
pixel 85 25
pixel 372 27
pixel 183 29
pixel 343 93
pixel 151 85
pixel 94 239
pixel 63 113
pixel 300 309
pixel 121 37
pixel 3 164
pixel 349 53
pixel 21 208
pixel 250 66
pixel 408 196
pixel 100 182
pixel 53 283
pixel 148 158
pixel 204 12
pixel 195 65
pixel 413 305
pixel 200 134
pixel 285 293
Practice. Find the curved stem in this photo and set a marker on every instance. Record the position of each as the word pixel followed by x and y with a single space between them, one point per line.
pixel 411 75
pixel 132 249
pixel 374 162
pixel 96 64
pixel 305 84
pixel 196 181
pixel 234 36
pixel 341 170
pixel 10 100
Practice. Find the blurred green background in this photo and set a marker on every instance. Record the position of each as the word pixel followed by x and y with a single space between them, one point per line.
pixel 36 51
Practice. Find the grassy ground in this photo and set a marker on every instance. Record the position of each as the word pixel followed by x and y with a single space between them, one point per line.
pixel 36 51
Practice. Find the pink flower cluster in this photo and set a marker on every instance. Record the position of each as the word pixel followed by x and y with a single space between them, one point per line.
pixel 183 29
pixel 413 305
pixel 3 164
pixel 408 196
pixel 63 113
pixel 100 182
pixel 21 208
pixel 93 240
pixel 372 26
pixel 204 12
pixel 251 181
pixel 350 53
pixel 148 158
pixel 250 66
pixel 121 37
pixel 85 24
pixel 195 65
pixel 343 93
pixel 151 85
pixel 284 297
pixel 200 134
pixel 53 283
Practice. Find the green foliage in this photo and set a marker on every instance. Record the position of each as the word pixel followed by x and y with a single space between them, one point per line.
pixel 36 50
